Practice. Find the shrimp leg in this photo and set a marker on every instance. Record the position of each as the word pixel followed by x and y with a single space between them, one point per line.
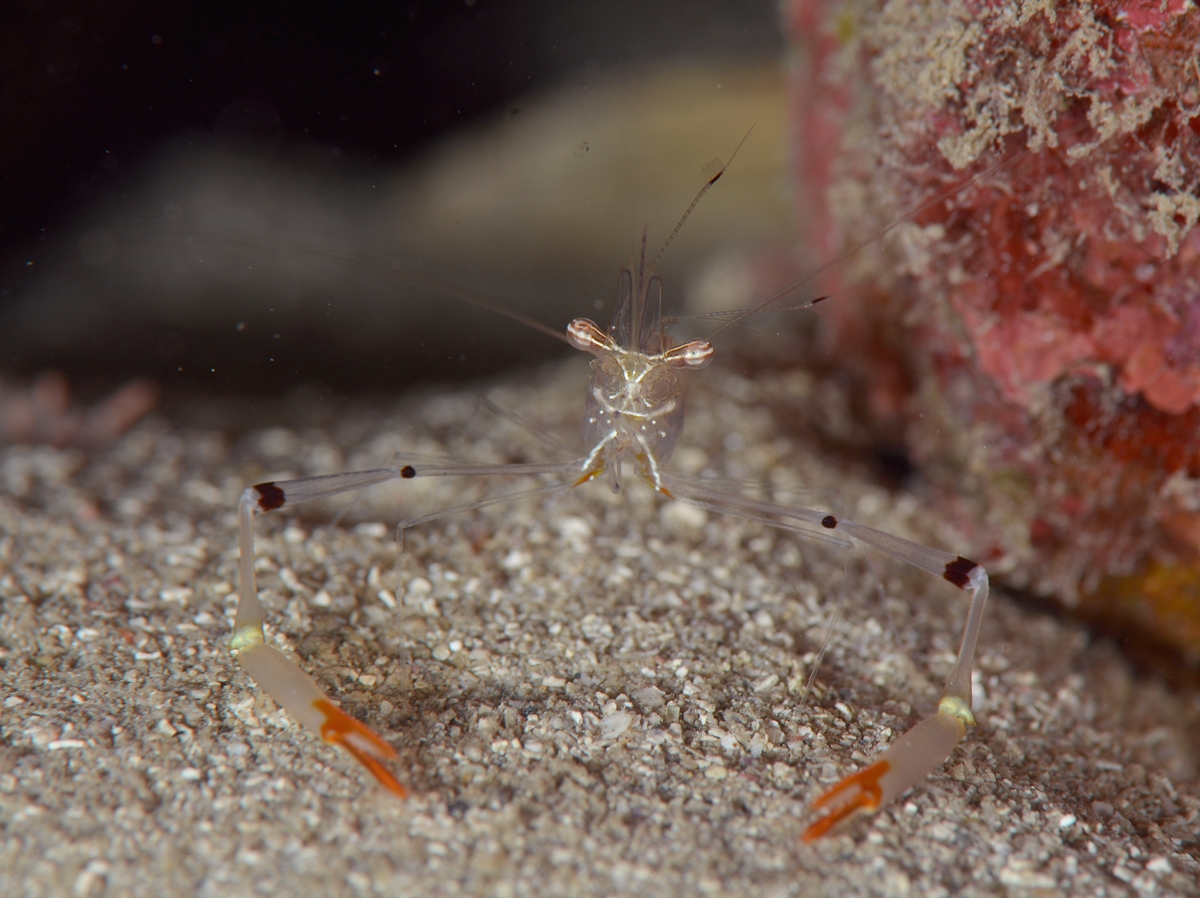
pixel 284 681
pixel 282 678
pixel 923 748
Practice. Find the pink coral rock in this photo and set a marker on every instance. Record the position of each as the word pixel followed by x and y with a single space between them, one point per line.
pixel 1046 306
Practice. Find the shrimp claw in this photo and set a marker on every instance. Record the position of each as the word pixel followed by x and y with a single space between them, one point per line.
pixel 362 742
pixel 909 760
pixel 282 678
pixel 923 748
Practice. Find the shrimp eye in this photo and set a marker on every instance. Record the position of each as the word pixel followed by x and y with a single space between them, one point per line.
pixel 695 355
pixel 586 335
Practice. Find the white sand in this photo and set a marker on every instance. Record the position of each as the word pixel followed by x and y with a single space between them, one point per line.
pixel 590 695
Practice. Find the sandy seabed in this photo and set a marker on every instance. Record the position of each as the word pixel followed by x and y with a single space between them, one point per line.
pixel 590 694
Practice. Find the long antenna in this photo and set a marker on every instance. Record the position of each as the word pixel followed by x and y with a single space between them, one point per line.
pixel 721 166
pixel 400 274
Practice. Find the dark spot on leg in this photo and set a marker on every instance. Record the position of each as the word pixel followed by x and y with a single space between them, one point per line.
pixel 959 570
pixel 270 496
pixel 408 472
pixel 819 299
pixel 829 521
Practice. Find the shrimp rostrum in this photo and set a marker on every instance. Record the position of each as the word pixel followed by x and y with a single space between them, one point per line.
pixel 633 414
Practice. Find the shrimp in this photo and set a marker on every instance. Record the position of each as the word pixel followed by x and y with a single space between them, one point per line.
pixel 633 413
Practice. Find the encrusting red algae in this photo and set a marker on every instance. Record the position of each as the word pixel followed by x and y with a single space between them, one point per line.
pixel 1035 337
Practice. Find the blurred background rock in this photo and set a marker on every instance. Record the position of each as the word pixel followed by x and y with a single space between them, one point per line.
pixel 179 186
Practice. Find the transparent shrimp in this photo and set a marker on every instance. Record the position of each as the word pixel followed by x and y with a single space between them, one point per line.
pixel 634 411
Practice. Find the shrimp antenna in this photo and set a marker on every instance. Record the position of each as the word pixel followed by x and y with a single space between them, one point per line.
pixel 434 285
pixel 720 170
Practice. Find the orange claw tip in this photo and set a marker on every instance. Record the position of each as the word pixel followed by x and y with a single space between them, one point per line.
pixel 361 741
pixel 868 797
